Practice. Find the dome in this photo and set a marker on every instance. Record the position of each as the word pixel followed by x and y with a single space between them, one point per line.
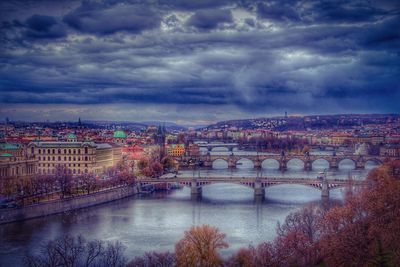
pixel 119 134
pixel 71 136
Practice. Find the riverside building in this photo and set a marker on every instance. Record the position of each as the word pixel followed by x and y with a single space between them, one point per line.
pixel 77 157
pixel 13 162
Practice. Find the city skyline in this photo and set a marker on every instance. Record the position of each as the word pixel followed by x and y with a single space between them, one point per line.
pixel 197 62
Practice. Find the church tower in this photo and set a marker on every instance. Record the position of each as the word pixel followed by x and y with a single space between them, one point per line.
pixel 160 140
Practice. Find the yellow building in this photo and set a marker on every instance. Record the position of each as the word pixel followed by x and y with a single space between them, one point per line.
pixel 77 157
pixel 175 150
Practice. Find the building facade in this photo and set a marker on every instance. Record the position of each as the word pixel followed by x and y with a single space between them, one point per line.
pixel 13 167
pixel 175 150
pixel 77 157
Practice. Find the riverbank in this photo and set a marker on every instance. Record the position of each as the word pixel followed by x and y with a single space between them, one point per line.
pixel 66 204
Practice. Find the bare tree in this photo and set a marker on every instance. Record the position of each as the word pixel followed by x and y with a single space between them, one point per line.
pixel 64 180
pixel 70 251
pixel 88 181
pixel 154 259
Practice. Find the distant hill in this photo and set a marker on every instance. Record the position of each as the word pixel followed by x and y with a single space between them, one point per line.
pixel 307 122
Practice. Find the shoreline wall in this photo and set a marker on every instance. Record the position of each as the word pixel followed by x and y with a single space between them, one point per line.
pixel 66 204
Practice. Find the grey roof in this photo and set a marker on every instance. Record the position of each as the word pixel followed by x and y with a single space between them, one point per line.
pixel 103 146
pixel 62 144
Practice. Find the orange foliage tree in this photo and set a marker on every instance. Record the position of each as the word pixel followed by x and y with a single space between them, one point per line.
pixel 365 231
pixel 199 247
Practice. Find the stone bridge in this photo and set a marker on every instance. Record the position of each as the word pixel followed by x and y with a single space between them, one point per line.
pixel 210 146
pixel 256 183
pixel 257 160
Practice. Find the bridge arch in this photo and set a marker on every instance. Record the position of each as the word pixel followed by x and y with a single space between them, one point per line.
pixel 292 193
pixel 220 149
pixel 220 164
pixel 347 164
pixel 316 186
pixel 270 163
pixel 244 163
pixel 372 163
pixel 203 150
pixel 244 185
pixel 320 164
pixel 295 164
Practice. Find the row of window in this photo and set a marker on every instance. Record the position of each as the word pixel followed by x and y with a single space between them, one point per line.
pixel 53 165
pixel 29 169
pixel 70 171
pixel 59 151
pixel 53 158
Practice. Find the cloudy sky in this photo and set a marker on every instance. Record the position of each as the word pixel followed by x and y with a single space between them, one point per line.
pixel 197 61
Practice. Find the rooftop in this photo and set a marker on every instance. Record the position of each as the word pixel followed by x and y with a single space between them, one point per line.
pixel 71 136
pixel 8 146
pixel 119 134
pixel 69 144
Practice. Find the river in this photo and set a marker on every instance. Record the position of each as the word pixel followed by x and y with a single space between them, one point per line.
pixel 158 221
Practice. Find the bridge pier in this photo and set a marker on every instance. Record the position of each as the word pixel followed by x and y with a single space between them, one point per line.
pixel 257 164
pixel 282 165
pixel 360 164
pixel 325 189
pixel 333 163
pixel 259 191
pixel 195 191
pixel 308 165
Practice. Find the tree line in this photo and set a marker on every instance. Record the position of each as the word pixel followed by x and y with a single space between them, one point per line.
pixel 27 190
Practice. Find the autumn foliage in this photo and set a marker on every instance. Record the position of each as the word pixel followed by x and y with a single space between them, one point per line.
pixel 199 247
pixel 365 230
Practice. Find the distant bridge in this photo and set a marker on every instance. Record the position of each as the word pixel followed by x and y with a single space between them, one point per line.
pixel 211 146
pixel 257 160
pixel 258 184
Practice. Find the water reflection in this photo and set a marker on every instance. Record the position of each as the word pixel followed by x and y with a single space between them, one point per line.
pixel 271 164
pixel 320 164
pixel 244 163
pixel 347 164
pixel 295 164
pixel 220 164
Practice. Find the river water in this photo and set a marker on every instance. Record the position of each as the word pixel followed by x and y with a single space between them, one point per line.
pixel 158 221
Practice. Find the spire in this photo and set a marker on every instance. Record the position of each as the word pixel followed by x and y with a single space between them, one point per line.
pixel 159 130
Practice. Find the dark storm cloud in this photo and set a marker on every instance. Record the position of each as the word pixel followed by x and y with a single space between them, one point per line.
pixel 210 18
pixel 39 26
pixel 309 12
pixel 193 4
pixel 242 57
pixel 104 19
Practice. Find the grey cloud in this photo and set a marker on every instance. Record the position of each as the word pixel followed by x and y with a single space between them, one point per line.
pixel 210 18
pixel 317 12
pixel 100 19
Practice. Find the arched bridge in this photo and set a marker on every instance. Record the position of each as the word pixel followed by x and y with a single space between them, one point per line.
pixel 211 146
pixel 282 160
pixel 258 184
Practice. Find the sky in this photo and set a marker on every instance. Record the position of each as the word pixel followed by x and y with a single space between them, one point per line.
pixel 196 62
